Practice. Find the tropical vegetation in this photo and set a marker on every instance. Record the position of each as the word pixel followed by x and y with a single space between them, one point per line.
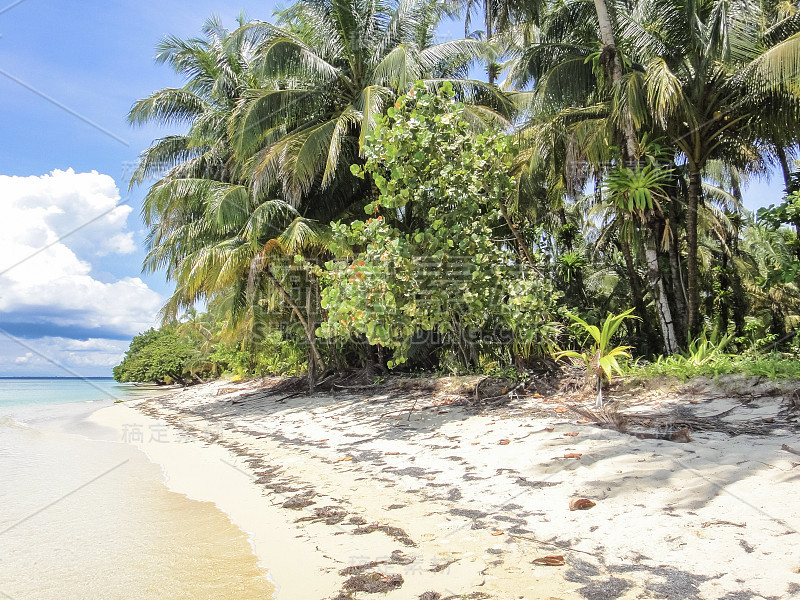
pixel 347 193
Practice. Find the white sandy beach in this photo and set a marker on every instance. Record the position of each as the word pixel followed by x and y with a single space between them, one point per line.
pixel 459 502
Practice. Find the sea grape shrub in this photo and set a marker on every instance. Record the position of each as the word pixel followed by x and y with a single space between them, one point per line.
pixel 155 356
pixel 433 255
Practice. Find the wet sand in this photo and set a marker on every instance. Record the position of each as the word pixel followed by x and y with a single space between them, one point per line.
pixel 91 518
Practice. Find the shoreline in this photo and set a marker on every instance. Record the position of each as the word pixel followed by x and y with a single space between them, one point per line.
pixel 86 515
pixel 204 473
pixel 345 493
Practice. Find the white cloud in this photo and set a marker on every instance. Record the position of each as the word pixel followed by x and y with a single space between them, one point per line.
pixel 61 356
pixel 51 228
pixel 82 206
pixel 25 359
pixel 94 352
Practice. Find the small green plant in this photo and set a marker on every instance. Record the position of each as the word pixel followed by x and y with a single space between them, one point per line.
pixel 771 366
pixel 703 351
pixel 774 366
pixel 600 357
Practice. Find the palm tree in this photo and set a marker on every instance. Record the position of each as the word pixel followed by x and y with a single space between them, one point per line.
pixel 717 84
pixel 328 69
pixel 217 72
pixel 577 116
pixel 207 228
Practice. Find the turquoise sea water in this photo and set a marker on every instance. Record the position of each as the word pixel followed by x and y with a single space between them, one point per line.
pixel 65 390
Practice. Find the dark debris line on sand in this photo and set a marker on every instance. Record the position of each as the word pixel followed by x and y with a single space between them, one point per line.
pixel 372 582
pixel 398 534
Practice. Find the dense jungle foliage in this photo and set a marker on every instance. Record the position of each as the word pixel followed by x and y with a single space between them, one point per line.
pixel 346 194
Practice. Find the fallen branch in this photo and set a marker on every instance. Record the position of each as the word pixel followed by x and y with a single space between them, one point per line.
pixel 788 449
pixel 554 545
pixel 413 406
pixel 710 523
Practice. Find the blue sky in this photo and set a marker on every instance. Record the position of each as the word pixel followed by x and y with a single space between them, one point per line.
pixel 69 72
pixel 72 295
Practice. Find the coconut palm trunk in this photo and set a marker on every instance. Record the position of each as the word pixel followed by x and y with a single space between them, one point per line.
pixel 637 295
pixel 488 18
pixel 610 53
pixel 315 362
pixel 655 280
pixel 655 277
pixel 784 162
pixel 607 37
pixel 660 296
pixel 678 290
pixel 692 267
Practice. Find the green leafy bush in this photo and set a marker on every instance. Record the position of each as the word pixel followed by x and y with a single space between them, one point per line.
pixel 428 259
pixel 155 356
